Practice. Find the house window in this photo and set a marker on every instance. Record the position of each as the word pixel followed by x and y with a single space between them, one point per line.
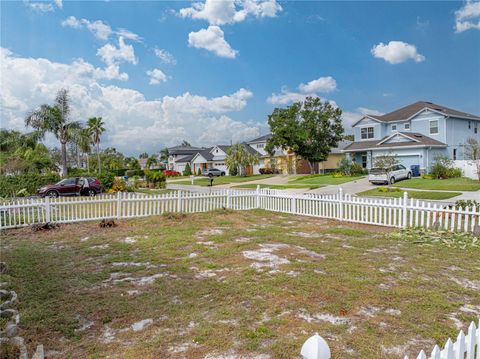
pixel 407 126
pixel 475 130
pixel 364 161
pixel 260 145
pixel 469 125
pixel 366 132
pixel 434 127
pixel 394 127
pixel 454 154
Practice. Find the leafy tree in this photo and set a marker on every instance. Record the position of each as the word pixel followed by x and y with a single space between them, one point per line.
pixel 349 137
pixel 55 119
pixel 188 170
pixel 95 127
pixel 151 161
pixel 143 155
pixel 386 162
pixel 164 154
pixel 309 128
pixel 238 158
pixel 472 153
pixel 132 163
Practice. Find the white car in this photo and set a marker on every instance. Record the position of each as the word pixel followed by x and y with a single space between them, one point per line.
pixel 394 174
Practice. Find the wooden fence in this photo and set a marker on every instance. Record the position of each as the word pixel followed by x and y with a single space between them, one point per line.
pixel 395 212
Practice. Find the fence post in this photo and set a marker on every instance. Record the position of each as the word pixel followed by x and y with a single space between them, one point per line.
pixel 47 209
pixel 258 197
pixel 294 204
pixel 340 204
pixel 229 195
pixel 404 217
pixel 179 201
pixel 119 205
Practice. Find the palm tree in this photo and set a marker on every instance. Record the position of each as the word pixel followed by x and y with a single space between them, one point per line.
pixel 151 161
pixel 83 140
pixel 55 120
pixel 164 154
pixel 238 158
pixel 95 127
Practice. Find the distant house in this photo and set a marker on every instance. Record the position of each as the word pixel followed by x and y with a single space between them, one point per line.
pixel 287 162
pixel 415 134
pixel 179 156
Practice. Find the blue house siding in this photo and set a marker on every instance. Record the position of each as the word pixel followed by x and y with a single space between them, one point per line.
pixel 458 131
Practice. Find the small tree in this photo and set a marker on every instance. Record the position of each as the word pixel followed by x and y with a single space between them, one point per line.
pixel 386 162
pixel 151 161
pixel 238 158
pixel 199 172
pixel 441 166
pixel 188 170
pixel 472 153
pixel 344 166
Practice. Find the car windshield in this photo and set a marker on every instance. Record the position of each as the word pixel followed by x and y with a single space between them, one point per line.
pixel 67 181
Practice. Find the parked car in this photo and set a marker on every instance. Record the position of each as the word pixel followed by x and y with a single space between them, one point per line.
pixel 212 172
pixel 394 173
pixel 170 173
pixel 74 186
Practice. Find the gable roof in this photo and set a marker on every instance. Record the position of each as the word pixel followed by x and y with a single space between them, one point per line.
pixel 261 138
pixel 408 111
pixel 418 140
pixel 183 150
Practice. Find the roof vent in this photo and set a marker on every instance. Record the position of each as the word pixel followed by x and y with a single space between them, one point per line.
pixel 418 135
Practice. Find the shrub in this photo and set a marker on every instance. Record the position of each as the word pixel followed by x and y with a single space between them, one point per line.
pixel 118 185
pixel 338 175
pixel 265 171
pixel 442 167
pixel 157 178
pixel 465 203
pixel 454 172
pixel 356 169
pixel 233 171
pixel 106 180
pixel 344 166
pixel 135 172
pixel 199 172
pixel 26 184
pixel 170 173
pixel 188 170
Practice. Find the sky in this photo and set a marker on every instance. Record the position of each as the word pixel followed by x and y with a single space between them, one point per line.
pixel 211 72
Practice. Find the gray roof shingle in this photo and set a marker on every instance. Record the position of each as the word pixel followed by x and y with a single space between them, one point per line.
pixel 423 141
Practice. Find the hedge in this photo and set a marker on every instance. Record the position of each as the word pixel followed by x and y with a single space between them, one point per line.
pixel 11 185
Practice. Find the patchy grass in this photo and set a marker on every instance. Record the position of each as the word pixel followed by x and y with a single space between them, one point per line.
pixel 450 184
pixel 277 186
pixel 237 283
pixel 322 180
pixel 204 181
pixel 154 190
pixel 377 192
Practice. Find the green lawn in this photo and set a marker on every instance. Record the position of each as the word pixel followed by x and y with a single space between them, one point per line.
pixel 411 194
pixel 322 180
pixel 237 284
pixel 223 180
pixel 153 190
pixel 451 184
pixel 277 186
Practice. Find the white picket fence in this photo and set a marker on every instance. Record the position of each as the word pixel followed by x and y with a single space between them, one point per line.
pixel 394 212
pixel 466 346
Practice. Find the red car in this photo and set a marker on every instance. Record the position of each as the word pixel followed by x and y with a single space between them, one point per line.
pixel 170 173
pixel 71 187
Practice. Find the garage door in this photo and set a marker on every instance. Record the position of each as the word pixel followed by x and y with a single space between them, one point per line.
pixel 409 160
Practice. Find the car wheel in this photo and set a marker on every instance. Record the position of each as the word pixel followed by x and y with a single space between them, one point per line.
pixel 409 175
pixel 392 180
pixel 52 194
pixel 222 174
pixel 91 193
pixel 210 175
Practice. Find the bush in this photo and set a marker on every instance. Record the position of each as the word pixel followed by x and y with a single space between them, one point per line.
pixel 344 166
pixel 265 171
pixel 156 178
pixel 26 184
pixel 106 180
pixel 199 172
pixel 356 169
pixel 338 174
pixel 442 168
pixel 188 170
pixel 465 203
pixel 135 172
pixel 233 171
pixel 118 185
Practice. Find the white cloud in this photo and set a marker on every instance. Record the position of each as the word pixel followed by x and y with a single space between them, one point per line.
pixel 99 29
pixel 322 84
pixel 41 6
pixel 230 11
pixel 110 54
pixel 165 56
pixel 157 76
pixel 129 116
pixel 396 52
pixel 212 39
pixel 350 117
pixel 468 16
pixel 310 89
pixel 59 3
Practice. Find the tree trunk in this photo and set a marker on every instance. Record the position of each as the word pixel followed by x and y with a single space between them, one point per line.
pixel 98 158
pixel 88 164
pixel 312 168
pixel 79 162
pixel 63 148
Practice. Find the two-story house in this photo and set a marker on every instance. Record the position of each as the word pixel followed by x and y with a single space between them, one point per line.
pixel 179 156
pixel 415 134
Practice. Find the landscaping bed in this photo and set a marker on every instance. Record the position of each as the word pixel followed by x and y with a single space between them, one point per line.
pixel 397 193
pixel 204 181
pixel 238 284
pixel 449 184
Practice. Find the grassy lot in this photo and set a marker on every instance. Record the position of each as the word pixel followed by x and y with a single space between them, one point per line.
pixel 451 184
pixel 322 180
pixel 236 283
pixel 223 180
pixel 376 192
pixel 277 186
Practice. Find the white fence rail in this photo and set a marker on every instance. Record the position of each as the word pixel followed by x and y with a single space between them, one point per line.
pixel 466 346
pixel 396 212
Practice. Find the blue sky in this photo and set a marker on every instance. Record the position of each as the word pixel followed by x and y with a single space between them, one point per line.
pixel 160 72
